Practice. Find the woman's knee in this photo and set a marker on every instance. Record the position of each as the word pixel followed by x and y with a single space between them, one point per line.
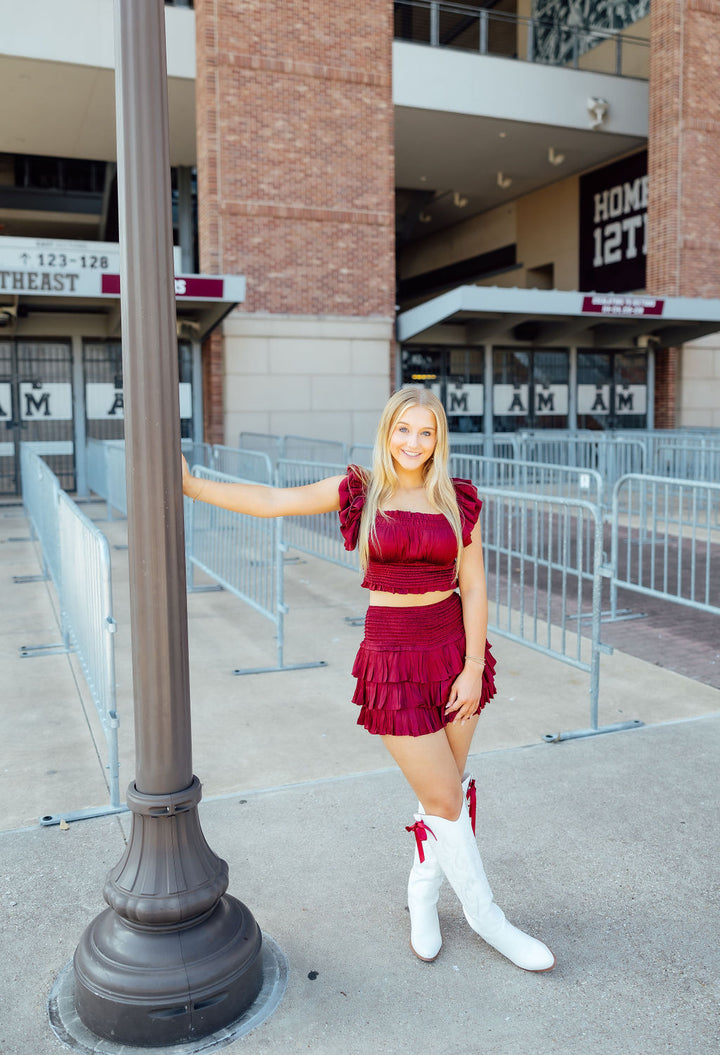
pixel 445 802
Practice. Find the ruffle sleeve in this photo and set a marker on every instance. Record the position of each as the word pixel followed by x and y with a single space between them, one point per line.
pixel 469 505
pixel 352 500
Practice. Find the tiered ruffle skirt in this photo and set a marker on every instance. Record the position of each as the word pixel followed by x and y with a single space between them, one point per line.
pixel 406 665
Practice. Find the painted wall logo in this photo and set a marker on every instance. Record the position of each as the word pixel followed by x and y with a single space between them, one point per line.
pixel 613 226
pixel 105 401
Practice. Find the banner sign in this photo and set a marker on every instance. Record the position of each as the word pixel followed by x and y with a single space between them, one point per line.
pixel 63 268
pixel 608 304
pixel 104 401
pixel 464 399
pixel 613 226
pixel 596 399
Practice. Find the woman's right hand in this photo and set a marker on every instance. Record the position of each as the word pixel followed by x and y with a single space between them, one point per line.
pixel 187 477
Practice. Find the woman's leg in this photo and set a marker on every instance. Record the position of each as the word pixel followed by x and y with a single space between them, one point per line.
pixel 430 767
pixel 460 737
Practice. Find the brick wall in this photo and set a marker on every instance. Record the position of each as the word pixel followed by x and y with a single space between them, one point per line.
pixel 295 153
pixel 683 165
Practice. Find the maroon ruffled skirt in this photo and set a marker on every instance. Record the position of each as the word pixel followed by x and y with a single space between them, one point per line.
pixel 406 665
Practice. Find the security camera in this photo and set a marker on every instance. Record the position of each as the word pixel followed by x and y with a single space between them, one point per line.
pixel 7 315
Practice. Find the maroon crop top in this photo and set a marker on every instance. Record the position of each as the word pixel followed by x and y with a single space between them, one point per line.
pixel 415 552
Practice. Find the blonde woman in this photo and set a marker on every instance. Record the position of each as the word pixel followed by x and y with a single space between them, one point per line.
pixel 424 669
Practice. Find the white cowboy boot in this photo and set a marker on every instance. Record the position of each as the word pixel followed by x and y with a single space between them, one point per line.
pixel 424 884
pixel 457 853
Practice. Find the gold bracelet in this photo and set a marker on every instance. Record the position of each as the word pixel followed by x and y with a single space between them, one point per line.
pixel 477 659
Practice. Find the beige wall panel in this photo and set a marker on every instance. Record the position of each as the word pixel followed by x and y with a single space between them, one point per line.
pixel 327 425
pixel 247 421
pixel 361 393
pixel 548 231
pixel 247 355
pixel 312 355
pixel 370 357
pixel 266 392
pixel 477 235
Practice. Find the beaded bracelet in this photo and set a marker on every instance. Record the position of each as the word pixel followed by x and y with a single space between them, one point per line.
pixel 477 659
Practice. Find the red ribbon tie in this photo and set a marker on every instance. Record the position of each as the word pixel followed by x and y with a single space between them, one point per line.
pixel 420 831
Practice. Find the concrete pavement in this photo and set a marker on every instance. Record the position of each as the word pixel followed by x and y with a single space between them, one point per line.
pixel 606 847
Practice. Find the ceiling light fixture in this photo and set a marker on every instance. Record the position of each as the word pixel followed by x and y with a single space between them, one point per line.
pixel 553 158
pixel 503 181
pixel 598 111
pixel 458 200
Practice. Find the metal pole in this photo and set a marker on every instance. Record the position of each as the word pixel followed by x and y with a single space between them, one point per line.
pixel 174 957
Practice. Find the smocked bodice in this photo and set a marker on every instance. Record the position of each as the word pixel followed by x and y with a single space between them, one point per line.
pixel 413 552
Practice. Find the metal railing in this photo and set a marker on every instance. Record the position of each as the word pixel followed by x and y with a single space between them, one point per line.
pixel 509 35
pixel 318 535
pixel 560 481
pixel 266 442
pixel 303 448
pixel 247 465
pixel 244 554
pixel 666 540
pixel 538 591
pixel 699 460
pixel 40 488
pixel 88 622
pixel 77 557
pixel 105 461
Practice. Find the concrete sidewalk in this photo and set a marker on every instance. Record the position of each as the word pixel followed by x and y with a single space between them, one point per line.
pixel 606 847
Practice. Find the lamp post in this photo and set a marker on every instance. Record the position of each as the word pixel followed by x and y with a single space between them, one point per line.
pixel 173 957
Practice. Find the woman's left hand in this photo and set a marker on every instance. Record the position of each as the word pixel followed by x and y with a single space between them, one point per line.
pixel 465 693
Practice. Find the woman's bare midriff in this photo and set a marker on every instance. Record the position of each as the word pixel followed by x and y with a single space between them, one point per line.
pixel 408 600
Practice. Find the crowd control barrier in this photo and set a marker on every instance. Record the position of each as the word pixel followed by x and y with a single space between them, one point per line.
pixel 80 559
pixel 318 535
pixel 40 488
pixel 243 554
pixel 666 540
pixel 266 442
pixel 88 623
pixel 560 481
pixel 106 473
pixel 538 592
pixel 303 448
pixel 688 461
pixel 243 464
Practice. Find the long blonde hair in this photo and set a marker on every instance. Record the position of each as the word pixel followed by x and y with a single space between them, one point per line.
pixel 382 482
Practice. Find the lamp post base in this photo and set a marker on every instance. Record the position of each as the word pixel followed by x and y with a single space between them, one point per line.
pixel 138 985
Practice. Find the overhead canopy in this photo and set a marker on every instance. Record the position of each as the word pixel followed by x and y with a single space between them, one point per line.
pixel 477 315
pixel 44 284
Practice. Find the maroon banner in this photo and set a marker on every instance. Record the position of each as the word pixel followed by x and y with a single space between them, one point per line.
pixel 613 305
pixel 186 286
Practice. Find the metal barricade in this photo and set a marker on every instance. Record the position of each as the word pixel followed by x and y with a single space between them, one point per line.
pixel 689 461
pixel 560 481
pixel 666 540
pixel 96 467
pixel 88 623
pixel 263 441
pixel 197 453
pixel 40 490
pixel 538 592
pixel 116 479
pixel 318 535
pixel 361 454
pixel 243 554
pixel 78 556
pixel 303 448
pixel 243 464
